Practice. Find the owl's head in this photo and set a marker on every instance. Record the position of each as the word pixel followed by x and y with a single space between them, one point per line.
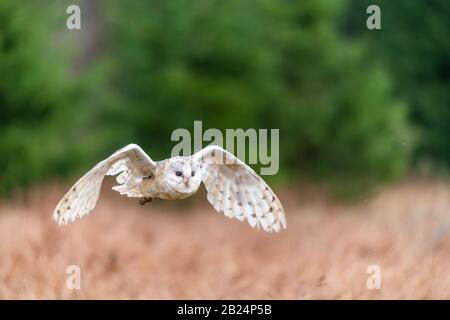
pixel 183 175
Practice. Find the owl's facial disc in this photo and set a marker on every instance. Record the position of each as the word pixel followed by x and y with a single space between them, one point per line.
pixel 183 176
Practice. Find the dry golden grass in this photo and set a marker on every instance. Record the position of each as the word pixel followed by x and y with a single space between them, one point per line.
pixel 170 251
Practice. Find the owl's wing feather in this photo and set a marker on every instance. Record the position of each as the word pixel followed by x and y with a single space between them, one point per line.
pixel 131 162
pixel 235 190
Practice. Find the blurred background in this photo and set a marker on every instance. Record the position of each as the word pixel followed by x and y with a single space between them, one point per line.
pixel 364 117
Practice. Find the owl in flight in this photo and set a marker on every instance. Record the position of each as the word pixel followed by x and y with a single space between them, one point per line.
pixel 233 188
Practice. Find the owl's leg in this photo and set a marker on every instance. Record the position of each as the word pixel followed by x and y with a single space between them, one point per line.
pixel 144 200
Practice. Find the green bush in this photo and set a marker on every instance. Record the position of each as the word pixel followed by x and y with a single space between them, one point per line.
pixel 231 64
pixel 29 96
pixel 261 64
pixel 414 44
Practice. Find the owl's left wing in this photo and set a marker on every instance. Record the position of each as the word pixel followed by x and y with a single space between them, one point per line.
pixel 235 190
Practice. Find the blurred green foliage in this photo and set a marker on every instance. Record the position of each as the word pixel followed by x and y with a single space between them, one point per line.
pixel 29 96
pixel 414 44
pixel 161 65
pixel 261 64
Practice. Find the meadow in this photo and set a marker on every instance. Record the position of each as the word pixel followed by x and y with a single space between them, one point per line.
pixel 185 250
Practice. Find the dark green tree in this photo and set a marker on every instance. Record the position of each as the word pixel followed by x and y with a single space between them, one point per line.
pixel 29 96
pixel 261 64
pixel 414 43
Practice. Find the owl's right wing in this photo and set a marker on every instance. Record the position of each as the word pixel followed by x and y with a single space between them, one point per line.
pixel 131 162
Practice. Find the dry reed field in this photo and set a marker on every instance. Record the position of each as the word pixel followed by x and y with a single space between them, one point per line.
pixel 186 250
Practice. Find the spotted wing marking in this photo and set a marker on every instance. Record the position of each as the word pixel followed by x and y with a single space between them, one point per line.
pixel 235 190
pixel 131 162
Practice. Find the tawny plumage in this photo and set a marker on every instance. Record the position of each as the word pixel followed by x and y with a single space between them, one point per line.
pixel 233 188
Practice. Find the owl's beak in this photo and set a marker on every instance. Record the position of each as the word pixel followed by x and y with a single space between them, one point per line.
pixel 186 181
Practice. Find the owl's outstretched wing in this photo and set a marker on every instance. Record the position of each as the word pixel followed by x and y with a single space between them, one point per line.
pixel 131 162
pixel 235 190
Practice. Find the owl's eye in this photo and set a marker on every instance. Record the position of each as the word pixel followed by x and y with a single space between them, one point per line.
pixel 178 173
pixel 192 173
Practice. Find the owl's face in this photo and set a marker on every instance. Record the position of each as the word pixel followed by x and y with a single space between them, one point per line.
pixel 183 176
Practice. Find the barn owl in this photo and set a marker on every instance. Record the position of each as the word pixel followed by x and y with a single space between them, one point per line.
pixel 233 188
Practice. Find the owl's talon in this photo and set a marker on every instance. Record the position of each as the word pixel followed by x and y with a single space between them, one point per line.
pixel 145 200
